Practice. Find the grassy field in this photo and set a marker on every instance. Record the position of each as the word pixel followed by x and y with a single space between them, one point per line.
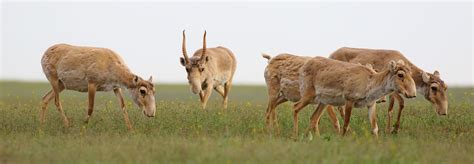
pixel 183 133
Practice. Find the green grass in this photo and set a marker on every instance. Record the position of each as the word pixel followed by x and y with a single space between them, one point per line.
pixel 183 133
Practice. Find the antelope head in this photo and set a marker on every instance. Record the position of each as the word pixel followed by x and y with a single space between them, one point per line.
pixel 143 94
pixel 401 79
pixel 435 91
pixel 196 66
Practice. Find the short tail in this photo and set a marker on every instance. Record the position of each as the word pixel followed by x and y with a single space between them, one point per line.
pixel 266 56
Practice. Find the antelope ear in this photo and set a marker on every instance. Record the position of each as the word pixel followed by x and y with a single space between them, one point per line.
pixel 401 62
pixel 150 79
pixel 436 73
pixel 425 77
pixel 182 61
pixel 392 66
pixel 135 80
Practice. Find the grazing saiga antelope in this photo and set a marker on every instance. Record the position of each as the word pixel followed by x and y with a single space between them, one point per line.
pixel 91 69
pixel 331 82
pixel 429 85
pixel 209 68
pixel 282 77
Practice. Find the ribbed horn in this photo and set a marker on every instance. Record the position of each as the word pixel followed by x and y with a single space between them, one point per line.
pixel 204 45
pixel 185 54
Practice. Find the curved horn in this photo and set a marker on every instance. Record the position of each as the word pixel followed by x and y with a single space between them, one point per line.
pixel 204 44
pixel 185 54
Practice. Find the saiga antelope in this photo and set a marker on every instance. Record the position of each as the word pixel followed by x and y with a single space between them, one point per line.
pixel 331 82
pixel 282 78
pixel 91 69
pixel 429 85
pixel 209 68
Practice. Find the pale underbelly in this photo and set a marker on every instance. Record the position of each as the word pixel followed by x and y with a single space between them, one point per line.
pixel 75 84
pixel 329 96
pixel 330 100
pixel 340 99
pixel 81 85
pixel 220 80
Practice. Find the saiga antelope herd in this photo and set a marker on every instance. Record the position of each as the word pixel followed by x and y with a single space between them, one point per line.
pixel 349 78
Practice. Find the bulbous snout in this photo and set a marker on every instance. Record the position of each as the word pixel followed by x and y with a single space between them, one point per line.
pixel 195 86
pixel 442 109
pixel 195 90
pixel 149 108
pixel 410 88
pixel 149 115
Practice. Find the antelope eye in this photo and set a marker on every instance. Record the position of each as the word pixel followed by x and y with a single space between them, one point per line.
pixel 433 88
pixel 187 70
pixel 400 75
pixel 201 69
pixel 143 92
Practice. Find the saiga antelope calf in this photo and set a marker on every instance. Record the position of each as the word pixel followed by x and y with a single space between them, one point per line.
pixel 331 82
pixel 209 68
pixel 429 85
pixel 91 69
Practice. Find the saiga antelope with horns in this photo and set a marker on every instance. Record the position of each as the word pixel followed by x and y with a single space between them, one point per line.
pixel 429 85
pixel 209 68
pixel 331 82
pixel 92 69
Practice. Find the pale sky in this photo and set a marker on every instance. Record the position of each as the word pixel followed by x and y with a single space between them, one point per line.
pixel 433 35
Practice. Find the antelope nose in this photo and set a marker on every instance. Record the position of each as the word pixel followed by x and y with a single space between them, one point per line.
pixel 148 115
